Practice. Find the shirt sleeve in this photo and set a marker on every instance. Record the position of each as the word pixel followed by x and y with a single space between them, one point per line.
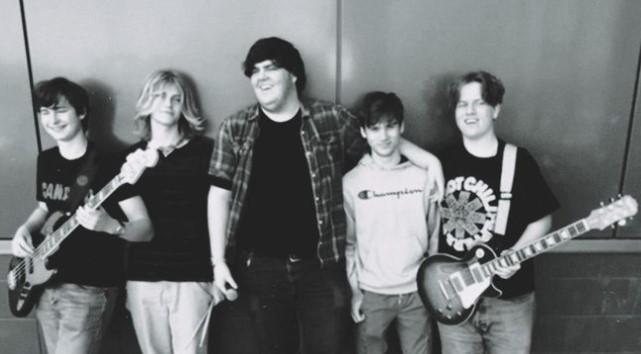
pixel 223 158
pixel 350 248
pixel 354 144
pixel 431 200
pixel 537 194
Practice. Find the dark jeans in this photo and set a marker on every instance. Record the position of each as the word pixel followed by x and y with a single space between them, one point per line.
pixel 294 305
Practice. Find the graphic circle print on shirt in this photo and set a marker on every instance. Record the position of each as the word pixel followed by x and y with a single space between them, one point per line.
pixel 468 217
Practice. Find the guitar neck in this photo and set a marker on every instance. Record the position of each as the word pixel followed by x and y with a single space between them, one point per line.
pixel 51 242
pixel 537 247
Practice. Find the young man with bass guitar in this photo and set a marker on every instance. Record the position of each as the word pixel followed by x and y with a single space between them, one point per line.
pixel 73 306
pixel 496 196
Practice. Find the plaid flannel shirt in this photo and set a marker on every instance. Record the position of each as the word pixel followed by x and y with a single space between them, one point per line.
pixel 331 140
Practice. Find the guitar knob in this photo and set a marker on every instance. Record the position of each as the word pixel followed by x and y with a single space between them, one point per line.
pixel 449 307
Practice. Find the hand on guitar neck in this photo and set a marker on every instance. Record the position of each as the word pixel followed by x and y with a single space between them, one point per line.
pixel 450 287
pixel 508 271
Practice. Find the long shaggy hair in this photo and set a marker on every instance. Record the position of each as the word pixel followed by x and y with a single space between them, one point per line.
pixel 192 123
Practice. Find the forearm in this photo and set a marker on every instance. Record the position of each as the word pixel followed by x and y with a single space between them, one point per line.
pixel 138 228
pixel 534 231
pixel 418 156
pixel 36 219
pixel 433 227
pixel 218 201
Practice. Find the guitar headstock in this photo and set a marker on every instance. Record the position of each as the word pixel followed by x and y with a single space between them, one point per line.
pixel 616 212
pixel 136 164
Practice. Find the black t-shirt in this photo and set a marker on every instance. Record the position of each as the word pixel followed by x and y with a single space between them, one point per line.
pixel 469 208
pixel 279 216
pixel 85 257
pixel 175 194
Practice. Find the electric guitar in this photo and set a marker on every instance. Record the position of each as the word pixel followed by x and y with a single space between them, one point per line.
pixel 28 275
pixel 450 287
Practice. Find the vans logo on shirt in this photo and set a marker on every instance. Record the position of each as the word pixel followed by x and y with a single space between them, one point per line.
pixel 369 194
pixel 55 191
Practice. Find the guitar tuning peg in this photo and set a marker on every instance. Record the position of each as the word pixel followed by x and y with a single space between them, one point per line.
pixel 611 199
pixel 619 195
pixel 602 204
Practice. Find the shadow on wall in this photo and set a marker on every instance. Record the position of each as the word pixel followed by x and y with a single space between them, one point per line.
pixel 102 113
pixel 442 131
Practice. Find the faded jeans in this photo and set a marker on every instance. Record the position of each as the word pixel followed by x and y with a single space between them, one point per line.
pixel 497 327
pixel 73 317
pixel 412 323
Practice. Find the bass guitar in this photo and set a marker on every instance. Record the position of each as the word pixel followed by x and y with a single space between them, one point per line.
pixel 28 275
pixel 450 287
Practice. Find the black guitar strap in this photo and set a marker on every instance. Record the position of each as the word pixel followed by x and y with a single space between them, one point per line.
pixel 84 179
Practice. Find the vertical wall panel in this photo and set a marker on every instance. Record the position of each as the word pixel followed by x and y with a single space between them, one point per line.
pixel 111 46
pixel 18 149
pixel 567 67
pixel 632 182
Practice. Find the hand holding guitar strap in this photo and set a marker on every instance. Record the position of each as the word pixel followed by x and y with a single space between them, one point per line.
pixel 507 180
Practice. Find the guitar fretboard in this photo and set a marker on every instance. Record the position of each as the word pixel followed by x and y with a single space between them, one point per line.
pixel 539 246
pixel 54 239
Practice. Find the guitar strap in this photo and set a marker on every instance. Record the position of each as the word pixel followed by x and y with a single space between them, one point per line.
pixel 507 180
pixel 84 179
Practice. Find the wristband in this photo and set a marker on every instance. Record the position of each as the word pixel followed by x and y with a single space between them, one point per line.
pixel 120 229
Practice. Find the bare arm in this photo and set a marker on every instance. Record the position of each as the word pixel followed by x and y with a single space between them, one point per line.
pixel 21 245
pixel 424 159
pixel 138 228
pixel 218 204
pixel 433 228
pixel 533 231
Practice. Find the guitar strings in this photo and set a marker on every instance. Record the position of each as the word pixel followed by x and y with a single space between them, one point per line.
pixel 39 254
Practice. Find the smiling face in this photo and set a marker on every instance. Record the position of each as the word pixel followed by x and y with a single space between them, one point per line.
pixel 384 137
pixel 273 86
pixel 61 121
pixel 167 105
pixel 475 117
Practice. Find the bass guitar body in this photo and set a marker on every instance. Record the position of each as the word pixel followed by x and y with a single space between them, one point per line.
pixel 28 275
pixel 26 279
pixel 450 287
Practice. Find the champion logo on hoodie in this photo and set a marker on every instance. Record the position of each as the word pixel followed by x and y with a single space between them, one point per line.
pixel 368 194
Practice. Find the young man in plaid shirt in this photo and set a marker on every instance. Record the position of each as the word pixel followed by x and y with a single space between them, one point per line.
pixel 276 208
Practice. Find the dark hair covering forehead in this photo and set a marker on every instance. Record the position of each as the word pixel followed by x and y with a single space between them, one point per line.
pixel 282 53
pixel 47 93
pixel 377 106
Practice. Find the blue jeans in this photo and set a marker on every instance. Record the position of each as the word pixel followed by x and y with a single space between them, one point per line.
pixel 295 305
pixel 73 317
pixel 412 322
pixel 497 326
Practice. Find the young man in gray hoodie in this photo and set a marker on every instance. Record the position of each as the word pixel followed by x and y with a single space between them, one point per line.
pixel 391 207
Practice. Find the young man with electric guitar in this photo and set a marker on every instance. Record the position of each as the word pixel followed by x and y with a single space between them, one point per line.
pixel 495 195
pixel 87 250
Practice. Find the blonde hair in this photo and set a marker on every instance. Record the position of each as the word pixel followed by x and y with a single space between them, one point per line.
pixel 192 124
